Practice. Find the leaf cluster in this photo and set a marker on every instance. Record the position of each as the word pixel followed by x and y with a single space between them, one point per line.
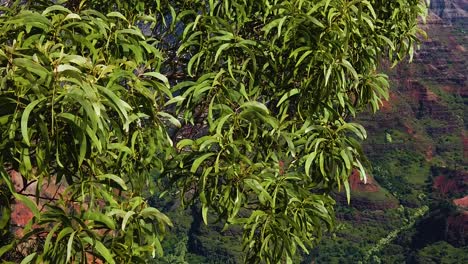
pixel 83 106
pixel 244 106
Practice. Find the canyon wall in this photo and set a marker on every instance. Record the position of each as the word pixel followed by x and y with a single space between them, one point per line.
pixel 450 10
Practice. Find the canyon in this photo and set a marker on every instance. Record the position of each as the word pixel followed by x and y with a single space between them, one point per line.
pixel 418 147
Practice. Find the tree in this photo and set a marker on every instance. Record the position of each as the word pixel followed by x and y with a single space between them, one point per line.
pixel 243 106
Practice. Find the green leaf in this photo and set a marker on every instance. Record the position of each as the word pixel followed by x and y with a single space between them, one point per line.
pixel 55 8
pixel 122 106
pixel 76 59
pixel 357 129
pixel 72 16
pixel 52 233
pixel 259 189
pixel 255 106
pixel 315 21
pixel 220 49
pixel 195 59
pixel 25 119
pixel 205 214
pixel 322 164
pixel 83 148
pixel 308 163
pixel 151 212
pixel 300 243
pixel 126 218
pixel 130 31
pixel 170 118
pixel 199 161
pixel 347 189
pixel 117 15
pixel 101 249
pixel 345 158
pixel 304 55
pixel 362 171
pixel 177 99
pixel 63 233
pixel 327 75
pixel 70 246
pixel 388 41
pixel 5 212
pixel 115 179
pixel 287 95
pixel 98 217
pixel 158 76
pixel 67 67
pixel 272 24
pixel 32 66
pixel 6 248
pixel 350 67
pixel 29 258
pixel 184 142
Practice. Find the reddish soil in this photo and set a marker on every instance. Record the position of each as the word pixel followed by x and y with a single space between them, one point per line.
pixel 462 202
pixel 21 214
pixel 363 202
pixel 359 186
pixel 445 185
pixel 450 182
pixel 387 106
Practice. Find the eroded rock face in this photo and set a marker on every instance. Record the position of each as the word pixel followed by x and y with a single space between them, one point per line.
pixel 20 213
pixel 450 10
pixel 426 103
pixel 368 195
pixel 359 185
pixel 462 202
pixel 451 182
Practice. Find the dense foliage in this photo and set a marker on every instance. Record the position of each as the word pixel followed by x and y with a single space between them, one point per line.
pixel 242 106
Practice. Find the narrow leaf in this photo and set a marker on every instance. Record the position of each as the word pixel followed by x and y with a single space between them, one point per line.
pixel 199 160
pixel 25 118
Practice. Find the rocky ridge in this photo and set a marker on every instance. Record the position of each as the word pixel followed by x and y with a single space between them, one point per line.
pixel 426 117
pixel 450 10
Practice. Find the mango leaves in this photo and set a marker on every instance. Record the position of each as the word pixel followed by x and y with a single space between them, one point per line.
pixel 274 85
pixel 242 106
pixel 82 112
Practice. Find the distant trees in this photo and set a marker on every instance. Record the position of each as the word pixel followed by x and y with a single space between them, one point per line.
pixel 441 252
pixel 241 105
